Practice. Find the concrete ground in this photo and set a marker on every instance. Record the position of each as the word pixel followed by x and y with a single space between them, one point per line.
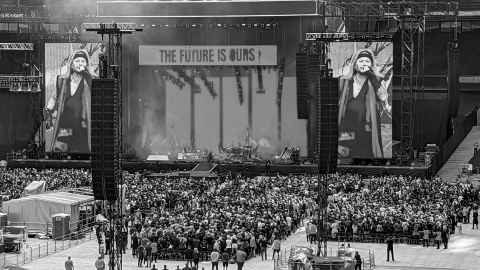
pixel 463 254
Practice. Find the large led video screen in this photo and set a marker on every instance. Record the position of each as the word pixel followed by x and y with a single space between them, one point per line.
pixel 69 69
pixel 365 71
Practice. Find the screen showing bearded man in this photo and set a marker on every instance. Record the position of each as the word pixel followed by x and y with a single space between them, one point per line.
pixel 69 107
pixel 363 97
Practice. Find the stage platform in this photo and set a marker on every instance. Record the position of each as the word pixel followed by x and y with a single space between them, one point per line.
pixel 246 168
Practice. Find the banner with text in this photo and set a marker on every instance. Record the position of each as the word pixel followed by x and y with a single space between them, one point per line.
pixel 208 55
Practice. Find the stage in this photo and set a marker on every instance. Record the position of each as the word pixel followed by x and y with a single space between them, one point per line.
pixel 246 168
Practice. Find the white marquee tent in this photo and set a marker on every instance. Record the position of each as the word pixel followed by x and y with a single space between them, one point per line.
pixel 36 211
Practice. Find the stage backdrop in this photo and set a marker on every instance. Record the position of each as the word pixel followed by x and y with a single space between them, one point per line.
pixel 58 57
pixel 359 137
pixel 165 105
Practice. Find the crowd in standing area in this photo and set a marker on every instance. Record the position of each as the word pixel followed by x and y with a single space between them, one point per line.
pixel 14 181
pixel 421 210
pixel 217 219
pixel 195 217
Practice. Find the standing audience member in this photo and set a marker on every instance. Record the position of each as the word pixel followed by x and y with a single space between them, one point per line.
pixel 225 259
pixel 390 249
pixel 241 257
pixel 214 257
pixel 196 258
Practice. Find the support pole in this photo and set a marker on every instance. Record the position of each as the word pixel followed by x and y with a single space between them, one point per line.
pixel 192 115
pixel 250 106
pixel 220 90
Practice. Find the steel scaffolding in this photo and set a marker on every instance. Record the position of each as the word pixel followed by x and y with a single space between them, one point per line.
pixel 408 19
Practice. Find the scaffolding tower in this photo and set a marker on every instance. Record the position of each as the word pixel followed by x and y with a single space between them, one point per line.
pixel 406 18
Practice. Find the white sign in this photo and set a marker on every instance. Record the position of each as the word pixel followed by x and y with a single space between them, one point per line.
pixel 208 55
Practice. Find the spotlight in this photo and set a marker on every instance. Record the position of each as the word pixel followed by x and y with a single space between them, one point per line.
pixel 219 25
pixel 154 25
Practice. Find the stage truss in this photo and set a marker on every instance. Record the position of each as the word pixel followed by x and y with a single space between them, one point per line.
pixel 376 20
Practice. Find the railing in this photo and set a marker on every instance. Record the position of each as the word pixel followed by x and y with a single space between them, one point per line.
pixel 29 252
pixel 281 262
pixel 47 227
pixel 408 239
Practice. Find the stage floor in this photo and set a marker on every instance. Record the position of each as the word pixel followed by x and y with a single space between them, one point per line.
pixel 245 168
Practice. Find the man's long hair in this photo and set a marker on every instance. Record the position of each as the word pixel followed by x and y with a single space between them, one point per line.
pixel 351 71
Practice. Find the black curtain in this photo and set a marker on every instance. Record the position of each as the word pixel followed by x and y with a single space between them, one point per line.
pixel 18 121
pixel 431 117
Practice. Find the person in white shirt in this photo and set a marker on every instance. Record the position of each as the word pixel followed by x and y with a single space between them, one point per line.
pixel 214 257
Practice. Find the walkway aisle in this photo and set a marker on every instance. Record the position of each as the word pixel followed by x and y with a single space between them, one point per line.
pixel 460 156
pixel 463 254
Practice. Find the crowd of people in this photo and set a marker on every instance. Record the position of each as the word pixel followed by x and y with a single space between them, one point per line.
pixel 210 213
pixel 198 216
pixel 398 206
pixel 14 181
pixel 193 217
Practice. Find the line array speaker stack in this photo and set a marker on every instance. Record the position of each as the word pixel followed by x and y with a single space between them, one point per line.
pixel 323 115
pixel 105 139
pixel 302 85
pixel 327 124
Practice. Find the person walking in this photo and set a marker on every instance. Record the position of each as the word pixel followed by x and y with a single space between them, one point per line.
pixel 214 257
pixel 358 261
pixel 445 236
pixel 225 259
pixel 196 258
pixel 148 254
pixel 426 236
pixel 69 264
pixel 475 218
pixel 276 248
pixel 438 237
pixel 241 257
pixel 390 249
pixel 100 263
pixel 141 255
pixel 154 246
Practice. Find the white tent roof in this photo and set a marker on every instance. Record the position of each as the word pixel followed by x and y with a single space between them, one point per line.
pixel 59 197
